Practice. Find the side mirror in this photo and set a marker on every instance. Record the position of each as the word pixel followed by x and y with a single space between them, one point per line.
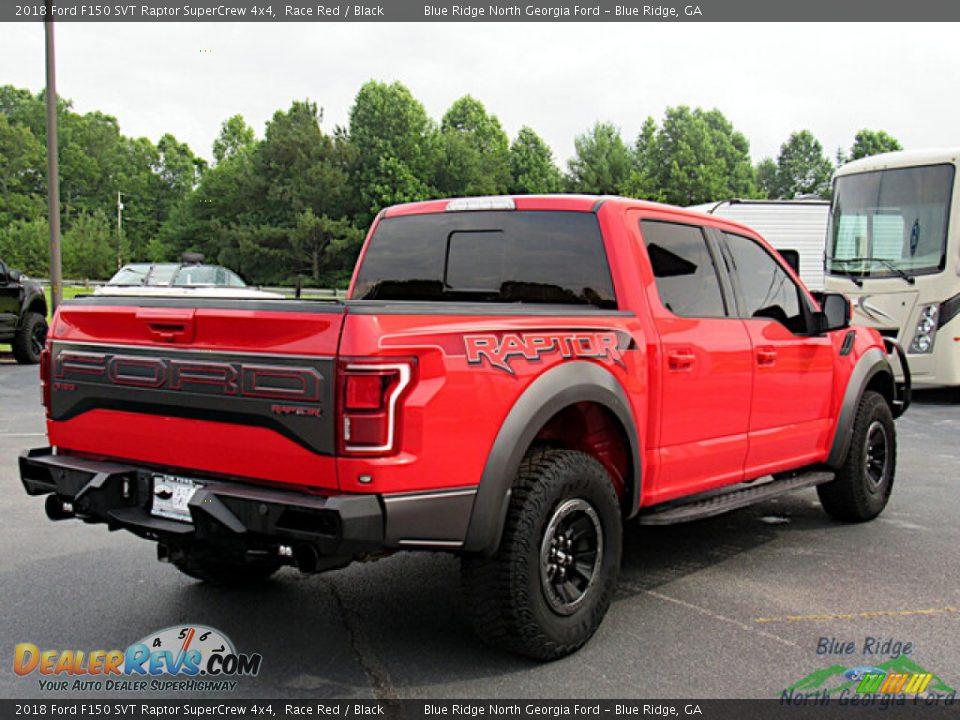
pixel 835 312
pixel 791 258
pixel 15 275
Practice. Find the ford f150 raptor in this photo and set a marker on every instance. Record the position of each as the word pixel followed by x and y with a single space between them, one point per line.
pixel 510 379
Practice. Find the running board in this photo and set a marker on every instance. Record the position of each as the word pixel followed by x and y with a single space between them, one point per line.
pixel 718 503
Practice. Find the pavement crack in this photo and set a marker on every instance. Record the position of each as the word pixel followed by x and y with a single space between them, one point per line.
pixel 721 618
pixel 366 655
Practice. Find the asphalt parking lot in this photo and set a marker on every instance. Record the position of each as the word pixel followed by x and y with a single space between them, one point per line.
pixel 732 607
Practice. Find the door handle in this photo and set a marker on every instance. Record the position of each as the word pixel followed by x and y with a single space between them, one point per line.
pixel 681 360
pixel 168 325
pixel 168 332
pixel 766 356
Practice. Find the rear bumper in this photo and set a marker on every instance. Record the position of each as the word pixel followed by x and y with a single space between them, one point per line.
pixel 252 518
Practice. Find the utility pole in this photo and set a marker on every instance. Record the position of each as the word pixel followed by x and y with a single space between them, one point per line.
pixel 119 230
pixel 53 165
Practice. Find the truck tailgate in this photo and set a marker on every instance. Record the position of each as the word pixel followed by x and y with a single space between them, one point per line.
pixel 233 387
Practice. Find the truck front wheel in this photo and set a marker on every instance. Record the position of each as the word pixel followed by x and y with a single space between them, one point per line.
pixel 545 591
pixel 863 483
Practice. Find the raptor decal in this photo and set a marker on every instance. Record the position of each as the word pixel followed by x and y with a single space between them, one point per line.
pixel 499 349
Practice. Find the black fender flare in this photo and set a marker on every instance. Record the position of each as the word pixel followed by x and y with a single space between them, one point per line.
pixel 872 362
pixel 559 387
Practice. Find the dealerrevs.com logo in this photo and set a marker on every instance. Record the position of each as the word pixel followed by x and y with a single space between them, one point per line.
pixel 177 658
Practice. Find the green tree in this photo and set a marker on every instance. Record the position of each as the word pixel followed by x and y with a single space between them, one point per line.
pixel 179 169
pixel 317 242
pixel 96 163
pixel 276 208
pixel 22 183
pixel 473 153
pixel 872 142
pixel 235 137
pixel 532 169
pixel 602 161
pixel 88 252
pixel 693 157
pixel 24 245
pixel 393 141
pixel 802 167
pixel 767 178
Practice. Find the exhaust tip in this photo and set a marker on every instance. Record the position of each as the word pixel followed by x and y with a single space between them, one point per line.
pixel 306 558
pixel 58 509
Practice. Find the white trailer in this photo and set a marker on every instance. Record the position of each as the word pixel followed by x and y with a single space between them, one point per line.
pixel 799 225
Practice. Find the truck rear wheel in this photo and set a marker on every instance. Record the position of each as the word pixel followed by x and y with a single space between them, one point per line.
pixel 545 591
pixel 29 341
pixel 863 483
pixel 227 571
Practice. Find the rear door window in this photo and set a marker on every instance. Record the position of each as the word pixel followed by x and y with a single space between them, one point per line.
pixel 547 257
pixel 684 269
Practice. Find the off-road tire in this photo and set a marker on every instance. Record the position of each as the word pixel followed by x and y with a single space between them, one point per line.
pixel 862 486
pixel 28 342
pixel 224 571
pixel 507 594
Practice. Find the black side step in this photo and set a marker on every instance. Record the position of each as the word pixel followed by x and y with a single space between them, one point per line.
pixel 700 507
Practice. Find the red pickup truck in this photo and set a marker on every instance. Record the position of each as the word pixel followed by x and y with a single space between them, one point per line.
pixel 510 380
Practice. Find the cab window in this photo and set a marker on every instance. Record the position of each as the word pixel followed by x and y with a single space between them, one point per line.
pixel 765 288
pixel 684 269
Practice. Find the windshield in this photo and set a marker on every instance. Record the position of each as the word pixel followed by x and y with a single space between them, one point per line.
pixel 162 273
pixel 130 275
pixel 207 275
pixel 198 275
pixel 890 222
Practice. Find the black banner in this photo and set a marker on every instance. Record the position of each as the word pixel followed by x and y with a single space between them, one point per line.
pixel 479 11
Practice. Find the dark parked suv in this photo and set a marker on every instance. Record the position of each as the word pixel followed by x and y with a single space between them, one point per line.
pixel 23 315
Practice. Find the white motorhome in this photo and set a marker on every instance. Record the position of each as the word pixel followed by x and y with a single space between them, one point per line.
pixel 894 249
pixel 799 225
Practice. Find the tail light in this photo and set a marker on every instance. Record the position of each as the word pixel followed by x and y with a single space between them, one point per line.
pixel 370 395
pixel 45 388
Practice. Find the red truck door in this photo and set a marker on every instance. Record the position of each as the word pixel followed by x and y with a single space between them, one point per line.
pixel 706 364
pixel 793 370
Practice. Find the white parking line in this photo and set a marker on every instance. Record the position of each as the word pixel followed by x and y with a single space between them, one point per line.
pixel 36 434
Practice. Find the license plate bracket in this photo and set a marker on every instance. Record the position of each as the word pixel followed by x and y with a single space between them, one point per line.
pixel 171 496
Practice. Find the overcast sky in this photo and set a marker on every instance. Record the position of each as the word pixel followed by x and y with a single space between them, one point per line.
pixel 559 78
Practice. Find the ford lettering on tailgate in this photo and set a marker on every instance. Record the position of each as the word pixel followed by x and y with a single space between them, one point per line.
pixel 288 395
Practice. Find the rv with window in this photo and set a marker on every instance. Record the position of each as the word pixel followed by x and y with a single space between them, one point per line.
pixel 797 225
pixel 894 250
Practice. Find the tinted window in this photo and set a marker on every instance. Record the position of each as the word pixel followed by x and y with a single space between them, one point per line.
pixel 766 291
pixel 488 256
pixel 683 266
